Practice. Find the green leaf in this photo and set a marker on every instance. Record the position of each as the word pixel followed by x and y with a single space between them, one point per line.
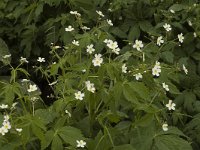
pixel 48 139
pixel 118 32
pixel 134 33
pixel 38 132
pixel 4 51
pixel 56 143
pixel 46 115
pixel 171 142
pixel 141 90
pixel 189 100
pixel 129 94
pixel 178 7
pixel 124 147
pixel 144 120
pixel 145 26
pixel 167 56
pixel 39 9
pixel 70 135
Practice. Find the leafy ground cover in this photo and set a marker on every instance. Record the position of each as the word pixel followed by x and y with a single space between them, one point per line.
pixel 100 75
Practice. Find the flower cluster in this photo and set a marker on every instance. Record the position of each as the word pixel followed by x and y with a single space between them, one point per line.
pixel 90 86
pixel 32 88
pixel 180 37
pixel 138 76
pixel 167 27
pixel 112 45
pixel 165 86
pixel 156 70
pixel 6 125
pixel 75 13
pixel 124 68
pixel 69 29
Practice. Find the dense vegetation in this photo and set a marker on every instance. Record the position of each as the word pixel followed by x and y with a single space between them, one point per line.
pixel 100 74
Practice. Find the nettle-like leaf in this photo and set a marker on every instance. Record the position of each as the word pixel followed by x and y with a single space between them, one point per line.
pixel 3 52
pixel 136 91
pixel 157 140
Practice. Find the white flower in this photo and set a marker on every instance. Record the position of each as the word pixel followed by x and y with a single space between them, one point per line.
pixel 156 70
pixel 116 51
pixel 167 27
pixel 138 76
pixel 40 59
pixel 84 70
pixel 6 125
pixel 32 88
pixel 107 41
pixel 112 45
pixel 138 45
pixel 100 13
pixel 6 118
pixel 124 68
pixel 185 69
pixel 180 37
pixel 170 105
pixel 19 130
pixel 189 23
pixel 69 29
pixel 79 95
pixel 165 86
pixel 56 47
pixel 6 56
pixel 13 105
pixel 3 130
pixel 97 61
pixel 53 83
pixel 22 59
pixel 75 42
pixel 90 86
pixel 195 35
pixel 67 112
pixel 165 127
pixel 85 28
pixel 3 106
pixel 90 49
pixel 75 13
pixel 81 143
pixel 172 11
pixel 109 22
pixel 160 40
pixel 25 80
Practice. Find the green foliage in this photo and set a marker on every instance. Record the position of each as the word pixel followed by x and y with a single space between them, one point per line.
pixel 109 91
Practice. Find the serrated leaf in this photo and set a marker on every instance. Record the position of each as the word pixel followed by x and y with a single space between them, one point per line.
pixel 4 51
pixel 141 90
pixel 177 7
pixel 56 143
pixel 167 56
pixel 70 135
pixel 118 32
pixel 124 147
pixel 129 94
pixel 134 33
